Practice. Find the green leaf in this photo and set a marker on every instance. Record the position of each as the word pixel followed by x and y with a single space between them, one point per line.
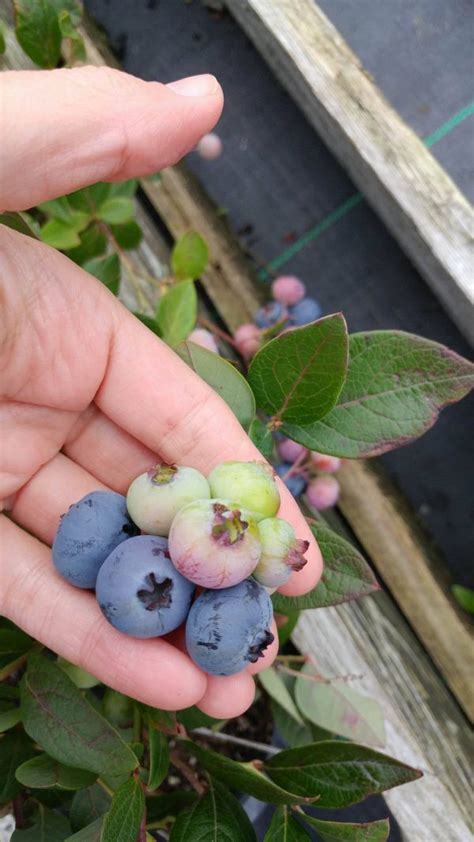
pixel 9 717
pixel 48 827
pixel 284 828
pixel 193 718
pixel 396 386
pixel 107 270
pixel 10 664
pixel 117 708
pixel 56 715
pixel 116 210
pixel 76 50
pixel 88 199
pixel 348 832
pixel 73 7
pixel 15 748
pixel 14 642
pixel 159 757
pixel 336 707
pixel 124 188
pixel 9 692
pixel 262 437
pixel 128 235
pixel 122 822
pixel 92 244
pixel 464 597
pixel 3 45
pixel 37 31
pixel 82 679
pixel 346 575
pixel 216 817
pixel 159 807
pixel 293 733
pixel 91 833
pixel 189 256
pixel 88 805
pixel 223 377
pixel 285 629
pixel 163 720
pixel 43 772
pixel 339 773
pixel 243 776
pixel 176 312
pixel 298 376
pixel 22 222
pixel 149 322
pixel 64 235
pixel 58 209
pixel 276 688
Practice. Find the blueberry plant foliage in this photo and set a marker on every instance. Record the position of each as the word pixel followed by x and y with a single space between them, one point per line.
pixel 81 762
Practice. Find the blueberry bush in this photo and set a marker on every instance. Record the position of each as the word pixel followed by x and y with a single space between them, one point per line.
pixel 79 761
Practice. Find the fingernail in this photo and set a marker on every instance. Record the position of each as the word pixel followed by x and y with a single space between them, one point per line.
pixel 195 85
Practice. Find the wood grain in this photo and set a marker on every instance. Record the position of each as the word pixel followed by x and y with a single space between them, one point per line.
pixel 424 725
pixel 419 203
pixel 386 529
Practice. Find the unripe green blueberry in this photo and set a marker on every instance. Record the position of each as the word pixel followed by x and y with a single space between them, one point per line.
pixel 282 552
pixel 155 497
pixel 214 544
pixel 248 484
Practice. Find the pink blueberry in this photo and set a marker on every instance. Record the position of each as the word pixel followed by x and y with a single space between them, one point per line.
pixel 323 492
pixel 209 147
pixel 288 290
pixel 247 340
pixel 214 543
pixel 204 339
pixel 290 450
pixel 327 464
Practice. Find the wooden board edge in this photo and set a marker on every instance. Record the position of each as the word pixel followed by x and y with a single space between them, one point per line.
pixel 419 203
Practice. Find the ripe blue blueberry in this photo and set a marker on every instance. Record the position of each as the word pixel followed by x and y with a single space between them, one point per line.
pixel 270 314
pixel 305 311
pixel 140 592
pixel 155 497
pixel 296 483
pixel 88 533
pixel 229 629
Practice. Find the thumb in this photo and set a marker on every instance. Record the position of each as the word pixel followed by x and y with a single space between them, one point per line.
pixel 64 129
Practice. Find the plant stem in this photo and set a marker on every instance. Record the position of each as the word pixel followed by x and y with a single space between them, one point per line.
pixel 217 330
pixel 294 468
pixel 142 832
pixel 105 787
pixel 18 812
pixel 315 677
pixel 222 737
pixel 190 774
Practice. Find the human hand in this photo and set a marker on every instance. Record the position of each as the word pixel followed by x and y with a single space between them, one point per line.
pixel 90 397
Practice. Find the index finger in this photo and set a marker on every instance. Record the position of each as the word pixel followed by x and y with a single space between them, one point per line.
pixel 153 395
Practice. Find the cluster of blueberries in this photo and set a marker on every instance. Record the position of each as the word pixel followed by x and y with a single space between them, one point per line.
pixel 301 470
pixel 176 529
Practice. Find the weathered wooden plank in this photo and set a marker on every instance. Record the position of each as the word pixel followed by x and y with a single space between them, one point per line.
pixel 423 728
pixel 419 203
pixel 384 526
pixel 424 724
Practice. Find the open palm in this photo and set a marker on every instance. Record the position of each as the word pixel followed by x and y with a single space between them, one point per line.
pixel 90 397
